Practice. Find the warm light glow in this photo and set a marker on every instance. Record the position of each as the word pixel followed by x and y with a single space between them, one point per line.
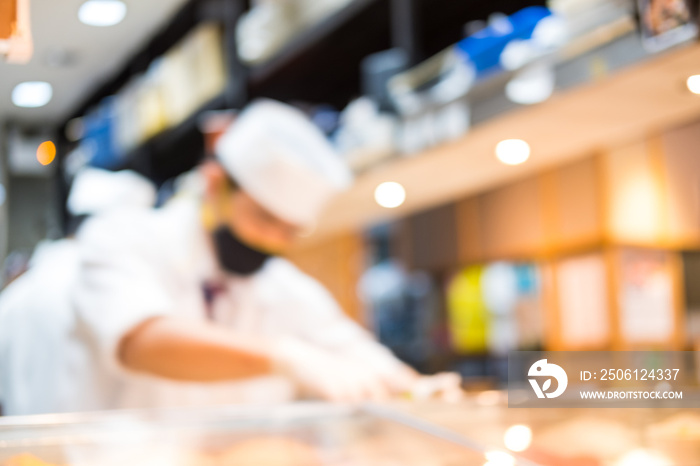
pixel 499 458
pixel 390 194
pixel 513 151
pixel 46 152
pixel 693 84
pixel 518 438
pixel 32 94
pixel 643 458
pixel 637 204
pixel 102 13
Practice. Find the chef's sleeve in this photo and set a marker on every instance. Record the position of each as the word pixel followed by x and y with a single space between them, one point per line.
pixel 120 285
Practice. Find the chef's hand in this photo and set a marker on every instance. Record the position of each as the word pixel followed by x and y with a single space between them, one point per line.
pixel 403 381
pixel 383 365
pixel 333 377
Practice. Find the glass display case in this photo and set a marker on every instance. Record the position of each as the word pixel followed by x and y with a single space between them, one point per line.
pixel 480 430
pixel 571 437
pixel 306 434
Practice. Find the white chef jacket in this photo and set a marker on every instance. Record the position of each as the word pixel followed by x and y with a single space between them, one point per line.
pixel 139 264
pixel 36 321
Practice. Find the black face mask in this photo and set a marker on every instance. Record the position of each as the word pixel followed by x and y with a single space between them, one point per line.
pixel 234 256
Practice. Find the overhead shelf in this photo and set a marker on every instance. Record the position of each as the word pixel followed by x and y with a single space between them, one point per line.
pixel 305 41
pixel 174 150
pixel 442 22
pixel 322 64
pixel 639 100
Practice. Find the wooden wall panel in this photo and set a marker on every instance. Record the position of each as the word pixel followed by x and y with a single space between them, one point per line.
pixel 557 212
pixel 470 248
pixel 337 263
pixel 681 176
pixel 512 220
pixel 573 206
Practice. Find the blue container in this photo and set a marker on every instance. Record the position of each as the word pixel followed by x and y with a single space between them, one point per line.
pixel 484 48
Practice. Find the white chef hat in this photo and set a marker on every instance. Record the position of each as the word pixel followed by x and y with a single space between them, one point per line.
pixel 283 161
pixel 95 190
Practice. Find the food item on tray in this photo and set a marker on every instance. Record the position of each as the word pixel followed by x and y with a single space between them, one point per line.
pixel 269 451
pixel 257 451
pixel 681 426
pixel 678 437
pixel 580 436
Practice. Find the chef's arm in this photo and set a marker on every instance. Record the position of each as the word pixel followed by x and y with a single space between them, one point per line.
pixel 192 351
pixel 200 352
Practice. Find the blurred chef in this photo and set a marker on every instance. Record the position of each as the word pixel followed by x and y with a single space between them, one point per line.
pixel 189 304
pixel 41 361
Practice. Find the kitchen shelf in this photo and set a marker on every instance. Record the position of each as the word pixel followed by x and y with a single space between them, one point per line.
pixel 322 64
pixel 305 41
pixel 575 123
pixel 191 14
pixel 174 150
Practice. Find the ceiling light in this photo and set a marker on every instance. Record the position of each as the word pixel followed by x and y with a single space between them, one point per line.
pixel 513 151
pixel 390 194
pixel 694 84
pixel 102 12
pixel 32 94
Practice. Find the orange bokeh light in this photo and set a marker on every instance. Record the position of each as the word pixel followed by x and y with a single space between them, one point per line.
pixel 46 152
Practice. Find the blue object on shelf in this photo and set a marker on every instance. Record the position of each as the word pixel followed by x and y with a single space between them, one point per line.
pixel 98 140
pixel 484 48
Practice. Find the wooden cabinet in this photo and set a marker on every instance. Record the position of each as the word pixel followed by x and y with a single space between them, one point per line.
pixel 558 211
pixel 680 154
pixel 606 229
pixel 507 222
pixel 653 191
pixel 512 220
pixel 470 241
pixel 573 210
